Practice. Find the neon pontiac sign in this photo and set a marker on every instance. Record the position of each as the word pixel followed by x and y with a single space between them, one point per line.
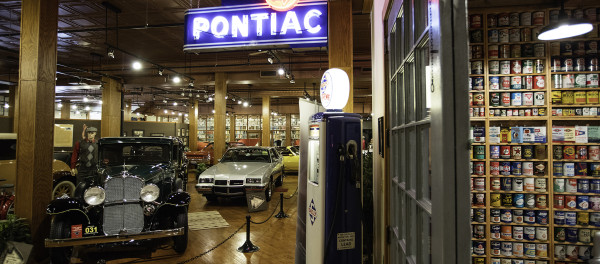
pixel 300 22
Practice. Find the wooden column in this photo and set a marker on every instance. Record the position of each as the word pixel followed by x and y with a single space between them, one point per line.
pixel 266 121
pixel 340 42
pixel 110 125
pixel 193 131
pixel 288 130
pixel 232 128
pixel 65 111
pixel 220 105
pixel 127 114
pixel 35 122
pixel 13 100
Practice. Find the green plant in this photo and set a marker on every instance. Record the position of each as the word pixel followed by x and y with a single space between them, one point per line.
pixel 14 229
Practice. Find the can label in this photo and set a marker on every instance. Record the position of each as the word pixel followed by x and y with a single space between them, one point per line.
pixel 503 38
pixel 538 18
pixel 493 49
pixel 494 67
pixel 528 66
pixel 594 152
pixel 591 97
pixel 515 99
pixel 539 98
pixel 516 67
pixel 540 185
pixel 528 98
pixel 527 82
pixel 515 82
pixel 493 36
pixel 580 81
pixel 559 201
pixel 504 67
pixel 494 83
pixel 591 80
pixel 539 50
pixel 505 82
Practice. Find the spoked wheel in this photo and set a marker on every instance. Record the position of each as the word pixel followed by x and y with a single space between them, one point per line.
pixel 60 228
pixel 62 188
pixel 181 220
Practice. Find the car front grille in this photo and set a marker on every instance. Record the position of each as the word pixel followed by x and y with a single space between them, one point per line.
pixel 123 210
pixel 220 182
pixel 236 182
pixel 229 190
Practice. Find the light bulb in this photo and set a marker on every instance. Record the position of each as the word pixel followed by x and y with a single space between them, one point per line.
pixel 239 101
pixel 73 107
pixel 213 111
pixel 166 111
pixel 100 102
pixel 176 79
pixel 60 105
pixel 136 65
pixel 138 114
pixel 281 71
pixel 85 99
pixel 77 112
pixel 180 114
pixel 245 104
pixel 175 103
pixel 6 105
pixel 87 108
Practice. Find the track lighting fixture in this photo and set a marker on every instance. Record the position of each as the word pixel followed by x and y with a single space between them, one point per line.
pixel 213 111
pixel 160 71
pixel 209 99
pixel 174 103
pixel 111 53
pixel 287 75
pixel 85 99
pixel 191 84
pixel 59 105
pixel 281 71
pixel 6 105
pixel 87 108
pixel 245 104
pixel 182 93
pixel 73 107
pixel 165 101
pixel 176 79
pixel 166 111
pixel 270 60
pixel 100 102
pixel 292 81
pixel 77 112
pixel 239 101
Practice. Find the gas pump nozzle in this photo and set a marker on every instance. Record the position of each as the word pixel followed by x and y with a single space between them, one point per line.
pixel 352 153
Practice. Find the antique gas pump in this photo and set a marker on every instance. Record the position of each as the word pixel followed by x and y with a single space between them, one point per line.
pixel 333 188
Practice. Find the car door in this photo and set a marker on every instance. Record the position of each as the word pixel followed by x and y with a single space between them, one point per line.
pixel 276 161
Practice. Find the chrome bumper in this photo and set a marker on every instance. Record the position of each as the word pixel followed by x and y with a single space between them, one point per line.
pixel 69 242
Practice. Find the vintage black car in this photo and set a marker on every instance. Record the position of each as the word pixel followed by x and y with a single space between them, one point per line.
pixel 138 194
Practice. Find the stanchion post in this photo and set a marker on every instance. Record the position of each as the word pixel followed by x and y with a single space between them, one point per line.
pixel 281 213
pixel 248 247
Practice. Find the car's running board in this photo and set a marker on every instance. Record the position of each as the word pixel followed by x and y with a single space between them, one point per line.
pixel 69 242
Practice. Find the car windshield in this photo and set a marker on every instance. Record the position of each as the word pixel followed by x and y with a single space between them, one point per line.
pixel 285 151
pixel 246 155
pixel 119 154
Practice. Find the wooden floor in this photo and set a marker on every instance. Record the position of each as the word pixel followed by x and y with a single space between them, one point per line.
pixel 276 238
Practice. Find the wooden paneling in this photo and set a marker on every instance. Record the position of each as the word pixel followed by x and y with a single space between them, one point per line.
pixel 12 101
pixel 111 108
pixel 266 121
pixel 193 118
pixel 220 115
pixel 340 49
pixel 35 121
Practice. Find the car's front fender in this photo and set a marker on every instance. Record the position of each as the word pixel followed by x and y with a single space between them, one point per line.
pixel 179 199
pixel 66 206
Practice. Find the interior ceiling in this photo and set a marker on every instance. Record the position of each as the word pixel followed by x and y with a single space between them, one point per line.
pixel 152 30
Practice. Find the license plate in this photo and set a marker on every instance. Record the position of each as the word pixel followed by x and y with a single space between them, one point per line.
pixel 91 230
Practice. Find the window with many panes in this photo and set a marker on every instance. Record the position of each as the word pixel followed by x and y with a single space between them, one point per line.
pixel 410 121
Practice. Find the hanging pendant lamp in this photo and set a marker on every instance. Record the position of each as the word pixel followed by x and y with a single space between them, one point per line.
pixel 565 27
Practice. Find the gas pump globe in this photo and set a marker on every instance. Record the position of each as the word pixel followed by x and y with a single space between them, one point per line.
pixel 333 187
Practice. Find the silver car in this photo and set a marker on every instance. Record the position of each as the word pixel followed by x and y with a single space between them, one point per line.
pixel 241 170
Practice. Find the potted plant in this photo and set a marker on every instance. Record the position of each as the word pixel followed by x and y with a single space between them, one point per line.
pixel 14 234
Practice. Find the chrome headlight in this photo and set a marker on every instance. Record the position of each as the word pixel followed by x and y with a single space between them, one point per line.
pixel 253 180
pixel 94 195
pixel 149 193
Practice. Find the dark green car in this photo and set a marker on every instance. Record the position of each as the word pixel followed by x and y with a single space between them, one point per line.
pixel 138 194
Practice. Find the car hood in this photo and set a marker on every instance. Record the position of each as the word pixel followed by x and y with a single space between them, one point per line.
pixel 237 170
pixel 150 173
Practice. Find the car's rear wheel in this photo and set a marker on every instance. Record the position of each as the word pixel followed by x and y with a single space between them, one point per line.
pixel 181 220
pixel 60 228
pixel 269 190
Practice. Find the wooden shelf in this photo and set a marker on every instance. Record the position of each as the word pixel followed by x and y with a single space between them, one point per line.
pixel 573 72
pixel 576 89
pixel 518 144
pixel 509 118
pixel 519 58
pixel 517 74
pixel 573 143
pixel 577 226
pixel 517 90
pixel 518 160
pixel 519 224
pixel 575 105
pixel 518 107
pixel 576 160
pixel 575 117
pixel 521 241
